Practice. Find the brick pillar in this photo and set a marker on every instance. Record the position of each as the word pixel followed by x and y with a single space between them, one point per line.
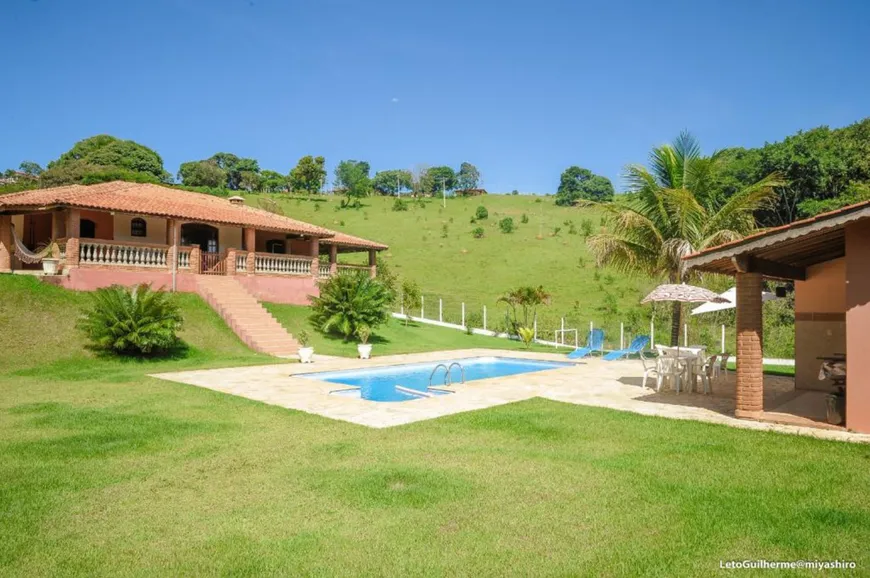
pixel 857 326
pixel 251 263
pixel 73 223
pixel 173 239
pixel 231 261
pixel 750 371
pixel 373 263
pixel 315 258
pixel 7 245
pixel 333 259
pixel 249 238
pixel 196 260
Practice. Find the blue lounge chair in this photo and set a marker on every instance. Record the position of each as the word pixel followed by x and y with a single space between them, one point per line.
pixel 595 342
pixel 636 346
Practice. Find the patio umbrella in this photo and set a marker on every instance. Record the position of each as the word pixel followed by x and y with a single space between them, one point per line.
pixel 731 296
pixel 684 294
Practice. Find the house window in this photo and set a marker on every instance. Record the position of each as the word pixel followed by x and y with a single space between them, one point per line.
pixel 212 246
pixel 138 228
pixel 275 246
pixel 87 229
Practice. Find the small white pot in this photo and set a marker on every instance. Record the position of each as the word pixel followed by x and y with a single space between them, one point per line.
pixel 364 350
pixel 305 354
pixel 49 265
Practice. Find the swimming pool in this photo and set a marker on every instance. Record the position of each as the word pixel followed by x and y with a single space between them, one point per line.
pixel 412 380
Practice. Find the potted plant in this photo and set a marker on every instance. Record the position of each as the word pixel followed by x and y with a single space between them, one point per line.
pixel 49 262
pixel 364 348
pixel 305 352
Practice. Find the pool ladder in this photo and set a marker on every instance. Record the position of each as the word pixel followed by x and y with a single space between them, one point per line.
pixel 447 368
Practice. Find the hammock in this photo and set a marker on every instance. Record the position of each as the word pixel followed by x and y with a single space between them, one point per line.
pixel 25 255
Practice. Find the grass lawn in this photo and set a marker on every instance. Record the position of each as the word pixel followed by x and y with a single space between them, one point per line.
pixel 394 337
pixel 106 471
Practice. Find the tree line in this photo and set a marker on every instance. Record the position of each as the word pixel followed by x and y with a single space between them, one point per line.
pixel 105 158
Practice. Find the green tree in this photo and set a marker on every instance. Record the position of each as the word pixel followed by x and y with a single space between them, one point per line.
pixel 524 301
pixel 392 182
pixel 352 178
pixel 202 174
pixel 103 157
pixel 31 168
pixel 234 167
pixel 434 179
pixel 412 298
pixel 582 184
pixel 272 181
pixel 673 213
pixel 468 177
pixel 309 174
pixel 349 301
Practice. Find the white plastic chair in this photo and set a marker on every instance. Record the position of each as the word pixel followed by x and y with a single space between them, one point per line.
pixel 722 366
pixel 671 368
pixel 650 371
pixel 707 372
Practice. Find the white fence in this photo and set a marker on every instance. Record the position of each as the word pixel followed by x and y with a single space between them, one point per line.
pixel 563 336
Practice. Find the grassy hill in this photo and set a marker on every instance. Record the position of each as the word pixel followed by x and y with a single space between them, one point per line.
pixel 434 246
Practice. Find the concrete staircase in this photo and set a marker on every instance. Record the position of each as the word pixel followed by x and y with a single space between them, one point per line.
pixel 245 316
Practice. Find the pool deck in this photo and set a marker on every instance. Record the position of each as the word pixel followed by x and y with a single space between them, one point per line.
pixel 610 384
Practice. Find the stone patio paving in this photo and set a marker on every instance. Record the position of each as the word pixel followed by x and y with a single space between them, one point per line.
pixel 615 385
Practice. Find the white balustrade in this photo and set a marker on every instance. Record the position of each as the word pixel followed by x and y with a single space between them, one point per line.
pixel 282 265
pixel 99 253
pixel 183 259
pixel 325 270
pixel 241 262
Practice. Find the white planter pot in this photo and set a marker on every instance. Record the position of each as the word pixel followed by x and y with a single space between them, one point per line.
pixel 305 354
pixel 364 350
pixel 49 266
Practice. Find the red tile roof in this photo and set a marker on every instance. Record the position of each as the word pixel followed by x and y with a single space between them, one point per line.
pixel 345 240
pixel 156 200
pixel 775 230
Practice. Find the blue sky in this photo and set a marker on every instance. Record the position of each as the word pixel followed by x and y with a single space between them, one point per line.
pixel 520 89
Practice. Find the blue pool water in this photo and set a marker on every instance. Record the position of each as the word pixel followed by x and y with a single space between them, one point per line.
pixel 379 383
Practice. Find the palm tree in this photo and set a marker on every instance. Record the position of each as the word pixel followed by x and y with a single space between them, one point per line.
pixel 674 212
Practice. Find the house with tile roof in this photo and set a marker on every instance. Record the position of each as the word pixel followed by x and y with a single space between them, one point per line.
pixel 130 233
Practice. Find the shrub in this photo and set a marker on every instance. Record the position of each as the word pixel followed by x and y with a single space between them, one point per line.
pixel 524 219
pixel 348 301
pixel 444 231
pixel 472 320
pixel 477 233
pixel 481 213
pixel 556 231
pixel 527 335
pixel 586 227
pixel 412 297
pixel 132 321
pixel 515 192
pixel 506 225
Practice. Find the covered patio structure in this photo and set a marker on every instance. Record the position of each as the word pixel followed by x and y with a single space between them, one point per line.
pixel 126 233
pixel 828 259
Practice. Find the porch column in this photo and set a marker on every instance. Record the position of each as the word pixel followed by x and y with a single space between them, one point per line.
pixel 196 260
pixel 173 238
pixel 333 259
pixel 57 225
pixel 857 326
pixel 250 238
pixel 315 258
pixel 73 231
pixel 373 263
pixel 7 245
pixel 750 371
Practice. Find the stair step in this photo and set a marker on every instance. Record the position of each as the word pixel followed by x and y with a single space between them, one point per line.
pixel 248 319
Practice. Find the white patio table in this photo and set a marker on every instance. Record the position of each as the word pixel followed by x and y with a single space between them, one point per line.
pixel 692 359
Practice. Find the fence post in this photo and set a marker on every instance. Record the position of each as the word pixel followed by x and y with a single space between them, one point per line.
pixel 685 335
pixel 440 310
pixel 402 304
pixel 723 338
pixel 463 314
pixel 562 333
pixel 422 307
pixel 484 317
pixel 535 326
pixel 621 335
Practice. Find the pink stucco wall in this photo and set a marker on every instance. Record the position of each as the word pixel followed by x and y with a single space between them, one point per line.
pixel 288 290
pixel 858 326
